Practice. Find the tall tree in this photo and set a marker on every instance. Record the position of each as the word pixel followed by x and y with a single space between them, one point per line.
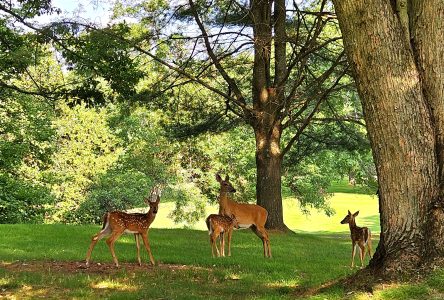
pixel 283 90
pixel 395 48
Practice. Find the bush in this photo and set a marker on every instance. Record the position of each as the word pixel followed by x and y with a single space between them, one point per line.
pixel 115 190
pixel 22 202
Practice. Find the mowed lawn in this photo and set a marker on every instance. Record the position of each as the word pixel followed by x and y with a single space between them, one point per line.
pixel 47 261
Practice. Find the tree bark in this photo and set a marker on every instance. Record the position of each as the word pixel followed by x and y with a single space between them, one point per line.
pixel 400 128
pixel 427 35
pixel 268 184
pixel 267 100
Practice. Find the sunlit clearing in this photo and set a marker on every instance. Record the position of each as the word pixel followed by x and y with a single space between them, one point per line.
pixel 27 291
pixel 284 283
pixel 5 281
pixel 233 276
pixel 109 284
pixel 363 296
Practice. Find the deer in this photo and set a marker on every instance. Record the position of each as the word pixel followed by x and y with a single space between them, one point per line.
pixel 217 226
pixel 360 236
pixel 116 223
pixel 247 215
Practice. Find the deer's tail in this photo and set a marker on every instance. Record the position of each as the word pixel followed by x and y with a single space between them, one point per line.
pixel 105 220
pixel 208 222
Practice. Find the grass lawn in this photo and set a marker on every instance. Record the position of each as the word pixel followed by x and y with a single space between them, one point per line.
pixel 39 261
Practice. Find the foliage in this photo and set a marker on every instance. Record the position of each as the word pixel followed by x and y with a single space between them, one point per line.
pixel 101 54
pixel 142 163
pixel 22 201
pixel 26 145
pixel 163 127
pixel 86 148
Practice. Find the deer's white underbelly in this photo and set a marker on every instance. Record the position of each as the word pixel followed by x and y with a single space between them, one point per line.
pixel 130 231
pixel 244 226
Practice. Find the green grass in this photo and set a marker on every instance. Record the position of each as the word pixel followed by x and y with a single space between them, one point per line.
pixel 299 260
pixel 342 186
pixel 317 254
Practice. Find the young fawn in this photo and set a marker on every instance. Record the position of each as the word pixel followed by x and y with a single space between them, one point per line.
pixel 116 223
pixel 361 237
pixel 247 215
pixel 217 226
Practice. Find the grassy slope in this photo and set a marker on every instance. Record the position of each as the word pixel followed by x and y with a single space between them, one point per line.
pixel 300 261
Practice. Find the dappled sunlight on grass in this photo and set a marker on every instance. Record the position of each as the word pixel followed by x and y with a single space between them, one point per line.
pixel 114 285
pixel 292 283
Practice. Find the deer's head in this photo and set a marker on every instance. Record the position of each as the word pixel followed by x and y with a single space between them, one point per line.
pixel 154 199
pixel 350 218
pixel 225 185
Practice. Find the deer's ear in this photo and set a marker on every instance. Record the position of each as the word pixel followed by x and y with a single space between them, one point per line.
pixel 227 178
pixel 356 213
pixel 218 178
pixel 349 213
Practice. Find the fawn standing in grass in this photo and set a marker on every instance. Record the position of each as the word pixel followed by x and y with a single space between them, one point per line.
pixel 116 223
pixel 361 237
pixel 218 225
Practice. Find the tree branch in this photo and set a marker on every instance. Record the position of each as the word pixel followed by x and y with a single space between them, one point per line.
pixel 240 98
pixel 307 120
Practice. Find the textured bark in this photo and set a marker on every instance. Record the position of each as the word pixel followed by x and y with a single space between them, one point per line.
pixel 268 97
pixel 268 185
pixel 427 30
pixel 399 125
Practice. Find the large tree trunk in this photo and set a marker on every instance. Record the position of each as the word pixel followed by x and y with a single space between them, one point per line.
pixel 268 184
pixel 267 98
pixel 400 128
pixel 427 35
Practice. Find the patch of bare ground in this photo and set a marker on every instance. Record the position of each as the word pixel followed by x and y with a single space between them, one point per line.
pixel 72 267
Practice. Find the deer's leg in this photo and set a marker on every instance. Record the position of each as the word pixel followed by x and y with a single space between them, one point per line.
pixel 229 233
pixel 261 232
pixel 110 242
pixel 222 244
pixel 361 253
pixel 214 236
pixel 353 255
pixel 212 242
pixel 147 246
pixel 94 241
pixel 136 237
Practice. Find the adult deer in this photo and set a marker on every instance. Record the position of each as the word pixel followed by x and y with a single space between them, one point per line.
pixel 217 226
pixel 247 215
pixel 117 222
pixel 361 237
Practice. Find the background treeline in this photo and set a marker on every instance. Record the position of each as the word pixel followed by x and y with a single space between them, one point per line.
pixel 87 124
